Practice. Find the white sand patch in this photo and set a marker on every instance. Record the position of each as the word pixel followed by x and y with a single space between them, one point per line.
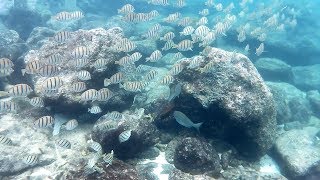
pixel 268 165
pixel 160 160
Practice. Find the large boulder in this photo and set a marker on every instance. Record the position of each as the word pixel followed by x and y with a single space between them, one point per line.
pixel 314 99
pixel 272 69
pixel 297 153
pixel 291 103
pixel 232 100
pixel 307 77
pixel 196 156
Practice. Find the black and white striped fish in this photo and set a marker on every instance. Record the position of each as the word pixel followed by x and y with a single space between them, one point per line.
pixel 5 140
pixel 84 75
pixel 151 75
pixel 100 63
pixel 52 83
pixel 124 136
pixel 127 8
pixel 108 158
pixel 62 36
pixel 20 90
pixel 104 94
pixel 36 102
pixel 135 56
pixel 78 87
pixel 63 143
pixel 71 124
pixel 168 36
pixel 187 31
pixel 43 122
pixel 95 110
pixel 94 146
pixel 55 59
pixel 48 71
pixel 114 115
pixel 114 79
pixel 176 69
pixel 184 45
pixel 155 56
pixel 6 72
pixel 133 86
pixel 6 63
pixel 32 67
pixel 167 80
pixel 81 52
pixel 31 159
pixel 89 95
pixel 12 107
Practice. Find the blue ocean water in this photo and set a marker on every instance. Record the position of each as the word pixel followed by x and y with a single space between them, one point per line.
pixel 159 89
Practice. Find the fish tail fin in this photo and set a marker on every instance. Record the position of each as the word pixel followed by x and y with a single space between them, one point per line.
pixel 106 82
pixel 23 71
pixel 197 126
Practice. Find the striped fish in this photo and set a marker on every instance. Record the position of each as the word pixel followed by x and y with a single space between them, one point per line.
pixel 6 63
pixel 195 62
pixel 184 45
pixel 95 110
pixel 134 86
pixel 202 21
pixel 178 55
pixel 104 94
pixel 135 56
pixel 204 12
pixel 80 63
pixel 152 14
pixel 5 140
pixel 185 22
pixel 36 102
pixel 52 83
pixel 62 16
pixel 12 107
pixel 76 15
pixel 62 36
pixel 6 72
pixel 94 146
pixel 127 8
pixel 32 67
pixel 3 106
pixel 151 35
pixel 114 115
pixel 20 90
pixel 168 36
pixel 55 59
pixel 167 80
pixel 100 63
pixel 84 75
pixel 176 69
pixel 43 122
pixel 63 143
pixel 207 67
pixel 48 71
pixel 127 46
pixel 155 56
pixel 31 159
pixel 124 136
pixel 124 61
pixel 71 124
pixel 89 95
pixel 151 75
pixel 260 49
pixel 78 87
pixel 168 45
pixel 130 17
pixel 202 31
pixel 108 158
pixel 114 79
pixel 81 52
pixel 187 31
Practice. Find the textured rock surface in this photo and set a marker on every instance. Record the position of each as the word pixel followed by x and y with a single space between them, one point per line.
pixel 144 134
pixel 297 153
pixel 314 99
pixel 233 102
pixel 272 69
pixel 307 77
pixel 291 103
pixel 196 156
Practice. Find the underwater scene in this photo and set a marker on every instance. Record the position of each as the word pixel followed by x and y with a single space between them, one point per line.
pixel 159 89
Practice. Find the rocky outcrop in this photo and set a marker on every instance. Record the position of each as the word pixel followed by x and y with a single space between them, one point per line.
pixel 307 77
pixel 297 153
pixel 272 69
pixel 291 103
pixel 232 100
pixel 196 156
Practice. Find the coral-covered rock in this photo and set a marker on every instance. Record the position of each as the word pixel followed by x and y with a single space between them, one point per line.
pixel 232 100
pixel 144 134
pixel 297 153
pixel 196 156
pixel 39 36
